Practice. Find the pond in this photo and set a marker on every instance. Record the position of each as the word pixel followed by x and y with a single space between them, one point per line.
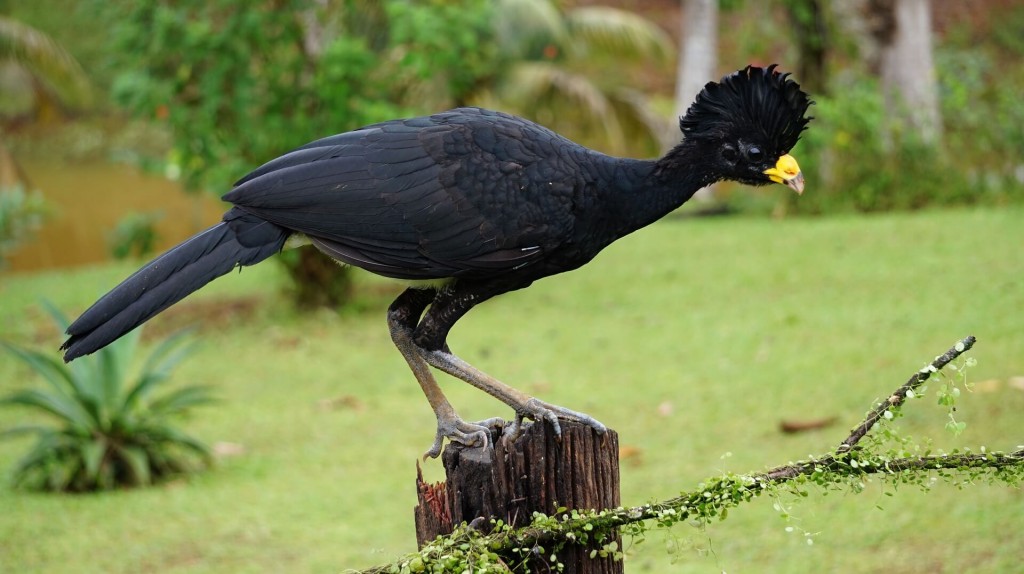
pixel 90 198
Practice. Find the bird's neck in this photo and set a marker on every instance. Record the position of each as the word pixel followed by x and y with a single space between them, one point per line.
pixel 643 191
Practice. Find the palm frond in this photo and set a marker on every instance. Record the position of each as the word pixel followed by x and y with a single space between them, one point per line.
pixel 617 32
pixel 639 118
pixel 45 59
pixel 522 25
pixel 551 78
pixel 557 87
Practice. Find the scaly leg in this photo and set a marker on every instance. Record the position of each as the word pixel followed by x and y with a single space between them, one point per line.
pixel 523 404
pixel 447 307
pixel 402 316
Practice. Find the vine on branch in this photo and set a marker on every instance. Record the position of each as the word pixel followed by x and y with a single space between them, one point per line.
pixel 467 549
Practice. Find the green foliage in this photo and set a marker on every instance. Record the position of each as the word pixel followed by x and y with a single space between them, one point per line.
pixel 852 166
pixel 1008 31
pixel 21 213
pixel 984 121
pixel 134 235
pixel 240 83
pixel 112 429
pixel 317 281
pixel 446 46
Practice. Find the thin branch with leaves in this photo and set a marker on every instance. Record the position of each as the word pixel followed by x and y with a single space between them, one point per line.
pixel 503 548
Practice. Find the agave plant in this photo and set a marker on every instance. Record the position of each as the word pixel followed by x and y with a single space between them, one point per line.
pixel 113 428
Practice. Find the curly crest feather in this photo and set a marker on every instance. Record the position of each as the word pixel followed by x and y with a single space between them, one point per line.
pixel 752 100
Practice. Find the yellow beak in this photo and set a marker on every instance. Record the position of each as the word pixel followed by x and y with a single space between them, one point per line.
pixel 787 172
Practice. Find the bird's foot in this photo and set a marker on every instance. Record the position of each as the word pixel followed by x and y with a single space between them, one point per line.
pixel 470 435
pixel 541 411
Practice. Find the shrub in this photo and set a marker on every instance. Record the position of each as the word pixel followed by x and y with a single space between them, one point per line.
pixel 21 214
pixel 134 235
pixel 859 160
pixel 112 429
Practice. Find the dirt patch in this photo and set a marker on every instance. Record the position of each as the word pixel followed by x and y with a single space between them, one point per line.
pixel 204 315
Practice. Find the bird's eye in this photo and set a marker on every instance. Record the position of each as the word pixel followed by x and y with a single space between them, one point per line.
pixel 729 153
pixel 755 154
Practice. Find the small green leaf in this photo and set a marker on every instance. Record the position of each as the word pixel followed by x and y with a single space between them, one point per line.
pixel 956 427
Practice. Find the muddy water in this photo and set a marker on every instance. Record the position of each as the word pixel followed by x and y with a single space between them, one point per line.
pixel 91 198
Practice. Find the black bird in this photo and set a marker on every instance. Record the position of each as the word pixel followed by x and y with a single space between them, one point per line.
pixel 478 203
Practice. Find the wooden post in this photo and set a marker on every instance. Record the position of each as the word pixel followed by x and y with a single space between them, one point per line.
pixel 512 480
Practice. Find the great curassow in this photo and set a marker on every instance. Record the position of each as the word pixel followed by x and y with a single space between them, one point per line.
pixel 485 202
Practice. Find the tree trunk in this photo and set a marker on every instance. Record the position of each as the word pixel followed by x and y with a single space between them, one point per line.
pixel 510 481
pixel 812 38
pixel 905 65
pixel 698 51
pixel 698 57
pixel 317 280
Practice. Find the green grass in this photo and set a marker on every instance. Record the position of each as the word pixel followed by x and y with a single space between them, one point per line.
pixel 735 324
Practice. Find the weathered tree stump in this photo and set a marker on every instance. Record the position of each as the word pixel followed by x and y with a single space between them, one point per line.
pixel 512 480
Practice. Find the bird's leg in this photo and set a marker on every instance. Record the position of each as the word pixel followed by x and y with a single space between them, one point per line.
pixel 524 405
pixel 402 317
pixel 447 307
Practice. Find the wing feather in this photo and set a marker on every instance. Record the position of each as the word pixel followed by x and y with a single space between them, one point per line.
pixel 455 194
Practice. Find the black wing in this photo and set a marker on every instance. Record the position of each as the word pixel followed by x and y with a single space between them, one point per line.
pixel 463 193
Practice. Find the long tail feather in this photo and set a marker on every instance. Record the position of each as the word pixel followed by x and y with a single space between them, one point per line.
pixel 241 239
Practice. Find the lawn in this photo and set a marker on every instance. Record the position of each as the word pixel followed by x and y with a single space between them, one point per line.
pixel 693 339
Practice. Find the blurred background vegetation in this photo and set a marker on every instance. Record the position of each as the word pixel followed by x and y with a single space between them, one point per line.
pixel 201 92
pixel 121 122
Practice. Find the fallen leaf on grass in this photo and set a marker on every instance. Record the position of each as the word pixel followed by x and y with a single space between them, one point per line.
pixel 342 402
pixel 987 386
pixel 228 449
pixel 792 426
pixel 631 455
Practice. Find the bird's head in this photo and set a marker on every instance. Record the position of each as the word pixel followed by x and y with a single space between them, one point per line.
pixel 746 124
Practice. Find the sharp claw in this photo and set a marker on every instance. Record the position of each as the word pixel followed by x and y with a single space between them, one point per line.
pixel 479 439
pixel 476 435
pixel 540 411
pixel 492 423
pixel 551 418
pixel 435 449
pixel 514 428
pixel 457 430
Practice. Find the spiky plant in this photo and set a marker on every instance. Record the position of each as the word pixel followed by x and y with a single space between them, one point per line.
pixel 112 427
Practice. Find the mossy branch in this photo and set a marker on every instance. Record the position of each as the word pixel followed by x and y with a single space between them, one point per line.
pixel 467 547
